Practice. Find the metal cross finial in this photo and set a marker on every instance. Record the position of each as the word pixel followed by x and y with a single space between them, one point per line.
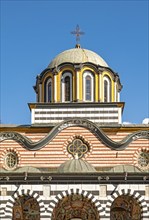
pixel 77 32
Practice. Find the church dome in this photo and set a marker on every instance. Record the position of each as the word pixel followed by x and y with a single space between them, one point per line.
pixel 76 56
pixel 77 76
pixel 76 166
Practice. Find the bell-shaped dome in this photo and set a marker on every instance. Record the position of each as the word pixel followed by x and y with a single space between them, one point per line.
pixel 76 56
pixel 76 166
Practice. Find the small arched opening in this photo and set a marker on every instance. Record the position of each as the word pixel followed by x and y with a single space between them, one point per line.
pixel 125 207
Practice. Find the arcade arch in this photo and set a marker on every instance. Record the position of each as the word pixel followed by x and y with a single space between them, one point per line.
pixel 125 207
pixel 26 207
pixel 75 207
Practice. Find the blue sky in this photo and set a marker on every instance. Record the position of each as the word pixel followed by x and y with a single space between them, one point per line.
pixel 34 32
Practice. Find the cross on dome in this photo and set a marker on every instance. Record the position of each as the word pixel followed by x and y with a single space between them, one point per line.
pixel 77 32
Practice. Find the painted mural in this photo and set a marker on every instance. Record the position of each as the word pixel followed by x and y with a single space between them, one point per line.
pixel 26 208
pixel 75 206
pixel 125 208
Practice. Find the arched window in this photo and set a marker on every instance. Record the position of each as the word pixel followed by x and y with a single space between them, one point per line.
pixel 67 87
pixel 88 86
pixel 48 90
pixel 107 89
pixel 26 207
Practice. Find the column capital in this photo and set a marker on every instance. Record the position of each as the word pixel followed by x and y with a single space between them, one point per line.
pixel 55 71
pixel 78 67
pixel 116 78
pixel 100 69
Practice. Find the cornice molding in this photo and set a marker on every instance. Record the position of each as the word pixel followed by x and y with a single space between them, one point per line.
pixel 30 145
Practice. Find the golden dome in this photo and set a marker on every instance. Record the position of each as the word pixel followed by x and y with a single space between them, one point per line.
pixel 76 56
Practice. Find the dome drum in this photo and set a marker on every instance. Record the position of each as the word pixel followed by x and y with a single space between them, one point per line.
pixel 77 76
pixel 77 83
pixel 54 113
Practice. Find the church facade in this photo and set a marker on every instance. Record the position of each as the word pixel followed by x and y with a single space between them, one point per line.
pixel 76 161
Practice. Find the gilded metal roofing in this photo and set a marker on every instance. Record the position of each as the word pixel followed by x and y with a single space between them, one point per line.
pixel 77 55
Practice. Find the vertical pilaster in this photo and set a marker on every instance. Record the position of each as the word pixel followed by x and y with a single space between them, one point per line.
pixel 118 97
pixel 55 88
pixel 39 98
pixel 100 88
pixel 33 116
pixel 115 92
pixel 96 88
pixel 55 84
pixel 77 85
pixel 119 115
pixel 77 89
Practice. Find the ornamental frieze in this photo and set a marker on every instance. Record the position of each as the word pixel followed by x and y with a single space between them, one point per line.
pixel 30 145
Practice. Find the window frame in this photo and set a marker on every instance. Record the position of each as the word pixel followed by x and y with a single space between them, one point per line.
pixel 108 89
pixel 45 89
pixel 49 80
pixel 85 75
pixel 63 96
pixel 8 161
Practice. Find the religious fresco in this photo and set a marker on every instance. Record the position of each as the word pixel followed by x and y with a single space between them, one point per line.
pixel 26 208
pixel 125 208
pixel 75 206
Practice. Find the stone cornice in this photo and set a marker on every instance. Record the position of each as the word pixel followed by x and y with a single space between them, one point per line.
pixel 89 178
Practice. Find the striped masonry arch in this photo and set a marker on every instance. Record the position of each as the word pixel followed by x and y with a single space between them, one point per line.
pixel 128 192
pixel 63 194
pixel 21 192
